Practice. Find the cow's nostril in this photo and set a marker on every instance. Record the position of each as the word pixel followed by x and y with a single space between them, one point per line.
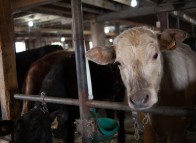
pixel 145 98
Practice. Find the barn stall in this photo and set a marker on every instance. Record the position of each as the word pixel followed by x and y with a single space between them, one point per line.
pixel 97 15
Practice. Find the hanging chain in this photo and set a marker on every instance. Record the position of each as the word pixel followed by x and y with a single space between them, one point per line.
pixel 43 107
pixel 146 118
pixel 136 128
pixel 138 125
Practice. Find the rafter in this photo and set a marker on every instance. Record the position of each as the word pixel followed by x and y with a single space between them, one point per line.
pixel 141 11
pixel 22 5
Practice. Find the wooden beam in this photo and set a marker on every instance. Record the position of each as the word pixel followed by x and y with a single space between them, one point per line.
pixel 47 10
pixel 141 11
pixel 23 5
pixel 130 23
pixel 105 4
pixel 48 30
pixel 125 2
pixel 126 14
pixel 54 31
pixel 8 78
pixel 84 8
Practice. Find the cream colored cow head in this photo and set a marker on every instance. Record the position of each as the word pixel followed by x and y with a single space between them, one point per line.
pixel 137 52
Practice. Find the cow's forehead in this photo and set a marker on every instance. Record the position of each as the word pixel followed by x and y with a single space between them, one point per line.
pixel 135 36
pixel 137 42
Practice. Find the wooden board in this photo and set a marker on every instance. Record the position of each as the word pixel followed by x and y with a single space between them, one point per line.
pixel 8 80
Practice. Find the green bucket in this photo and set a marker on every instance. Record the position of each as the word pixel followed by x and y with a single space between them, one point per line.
pixel 107 128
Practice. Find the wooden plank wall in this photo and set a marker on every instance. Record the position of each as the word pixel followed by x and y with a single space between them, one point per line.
pixel 8 80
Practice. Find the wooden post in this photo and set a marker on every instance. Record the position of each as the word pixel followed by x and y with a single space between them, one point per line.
pixel 8 80
pixel 117 28
pixel 97 33
pixel 163 18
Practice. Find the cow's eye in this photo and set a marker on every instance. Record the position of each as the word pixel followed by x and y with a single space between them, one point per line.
pixel 155 56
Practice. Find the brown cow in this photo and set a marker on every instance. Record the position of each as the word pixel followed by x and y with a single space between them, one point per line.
pixel 156 69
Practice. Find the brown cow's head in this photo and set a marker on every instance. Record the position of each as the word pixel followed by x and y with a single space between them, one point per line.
pixel 137 51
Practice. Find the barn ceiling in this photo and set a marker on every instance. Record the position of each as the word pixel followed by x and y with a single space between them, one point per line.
pixel 53 18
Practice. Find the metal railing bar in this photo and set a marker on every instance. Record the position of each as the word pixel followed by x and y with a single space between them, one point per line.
pixel 163 110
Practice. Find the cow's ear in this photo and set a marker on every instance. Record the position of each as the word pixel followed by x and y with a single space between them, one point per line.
pixel 169 37
pixel 102 55
pixel 58 117
pixel 177 34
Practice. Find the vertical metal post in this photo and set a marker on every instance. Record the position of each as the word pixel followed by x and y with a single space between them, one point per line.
pixel 78 42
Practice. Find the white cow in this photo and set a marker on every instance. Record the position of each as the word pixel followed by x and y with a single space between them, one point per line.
pixel 155 69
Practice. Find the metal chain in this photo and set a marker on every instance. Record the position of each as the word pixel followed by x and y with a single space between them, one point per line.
pixel 43 107
pixel 145 120
pixel 138 125
pixel 136 128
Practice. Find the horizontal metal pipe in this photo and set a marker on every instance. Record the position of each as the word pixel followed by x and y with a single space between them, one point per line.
pixel 58 100
pixel 163 110
pixel 183 16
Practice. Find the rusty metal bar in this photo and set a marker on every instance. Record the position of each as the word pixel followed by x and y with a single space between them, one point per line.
pixel 168 111
pixel 78 42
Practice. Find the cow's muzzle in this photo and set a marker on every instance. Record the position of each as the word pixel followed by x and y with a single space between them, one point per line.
pixel 139 99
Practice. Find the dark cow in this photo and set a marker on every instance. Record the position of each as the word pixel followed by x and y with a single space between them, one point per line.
pixel 26 58
pixel 35 126
pixel 37 72
pixel 61 81
pixel 156 69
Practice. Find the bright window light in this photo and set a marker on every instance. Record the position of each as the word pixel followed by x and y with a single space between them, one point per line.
pixel 90 44
pixel 57 43
pixel 111 40
pixel 133 3
pixel 30 23
pixel 158 24
pixel 20 46
pixel 62 39
pixel 106 30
